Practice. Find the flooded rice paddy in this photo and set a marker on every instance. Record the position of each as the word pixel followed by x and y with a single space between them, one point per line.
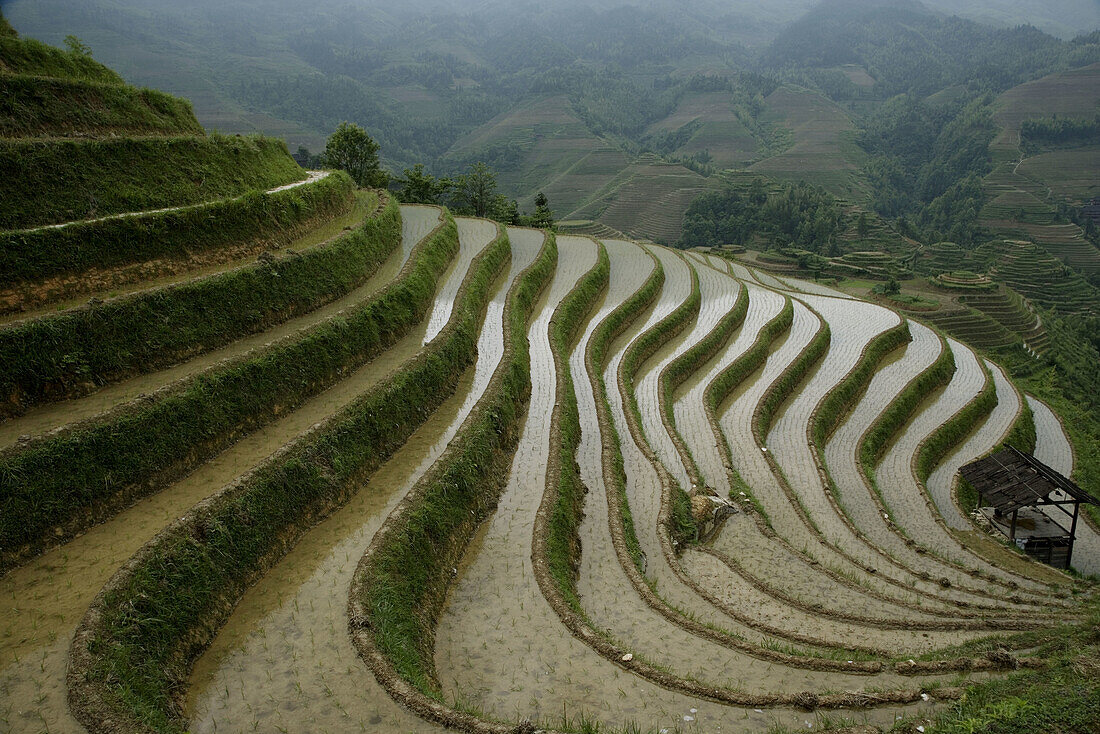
pixel 811 575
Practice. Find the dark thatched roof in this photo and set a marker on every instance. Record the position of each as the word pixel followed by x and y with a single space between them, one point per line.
pixel 1011 479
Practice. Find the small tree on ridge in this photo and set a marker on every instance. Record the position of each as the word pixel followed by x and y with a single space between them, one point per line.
pixel 350 148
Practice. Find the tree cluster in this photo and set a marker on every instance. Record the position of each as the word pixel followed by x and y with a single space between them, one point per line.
pixel 1058 132
pixel 799 215
pixel 473 193
pixel 926 166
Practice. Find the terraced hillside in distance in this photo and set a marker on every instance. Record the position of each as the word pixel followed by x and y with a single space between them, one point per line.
pixel 1026 186
pixel 822 148
pixel 278 453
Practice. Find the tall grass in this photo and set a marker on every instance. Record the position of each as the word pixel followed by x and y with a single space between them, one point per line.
pixel 35 106
pixel 29 256
pixel 29 56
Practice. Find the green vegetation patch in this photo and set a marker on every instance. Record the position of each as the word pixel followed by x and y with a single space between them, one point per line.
pixel 53 181
pixel 62 483
pixel 785 385
pixel 844 396
pixel 63 355
pixel 799 214
pixel 937 446
pixel 28 56
pixel 34 255
pixel 402 581
pixel 151 623
pixel 34 106
pixel 567 511
pixel 1063 697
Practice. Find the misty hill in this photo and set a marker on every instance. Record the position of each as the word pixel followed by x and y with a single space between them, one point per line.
pixel 422 74
pixel 887 104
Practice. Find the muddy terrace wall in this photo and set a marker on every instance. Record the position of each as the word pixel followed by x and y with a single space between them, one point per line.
pixel 401 582
pixel 49 263
pixel 68 354
pixel 132 653
pixel 62 482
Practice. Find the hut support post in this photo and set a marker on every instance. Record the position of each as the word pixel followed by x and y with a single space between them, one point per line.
pixel 1072 534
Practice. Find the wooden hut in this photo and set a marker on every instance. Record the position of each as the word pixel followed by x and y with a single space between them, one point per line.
pixel 1013 490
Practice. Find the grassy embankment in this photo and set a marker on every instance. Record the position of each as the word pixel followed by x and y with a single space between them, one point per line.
pixel 55 486
pixel 257 218
pixel 844 396
pixel 885 429
pixel 953 431
pixel 53 181
pixel 784 386
pixel 565 491
pixel 66 354
pixel 40 107
pixel 29 56
pixel 131 655
pixel 400 585
pixel 682 525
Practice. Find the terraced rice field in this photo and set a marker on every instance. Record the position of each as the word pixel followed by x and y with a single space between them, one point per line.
pixel 671 522
pixel 822 151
